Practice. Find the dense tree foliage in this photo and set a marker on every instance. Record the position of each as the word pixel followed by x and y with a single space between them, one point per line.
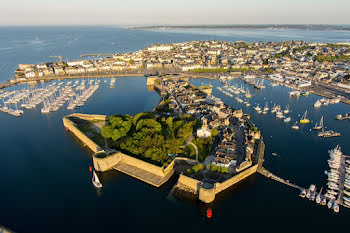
pixel 198 167
pixel 269 70
pixel 321 58
pixel 214 132
pixel 119 127
pixel 148 136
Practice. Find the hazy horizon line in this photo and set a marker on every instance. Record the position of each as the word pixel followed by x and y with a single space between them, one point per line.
pixel 175 25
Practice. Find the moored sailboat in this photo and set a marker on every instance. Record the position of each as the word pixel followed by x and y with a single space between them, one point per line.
pixel 320 125
pixel 304 120
pixel 95 180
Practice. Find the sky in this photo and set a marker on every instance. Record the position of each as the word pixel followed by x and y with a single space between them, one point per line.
pixel 173 12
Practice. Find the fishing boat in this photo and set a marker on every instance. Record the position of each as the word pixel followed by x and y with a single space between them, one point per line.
pixel 320 125
pixel 95 181
pixel 303 119
pixel 295 126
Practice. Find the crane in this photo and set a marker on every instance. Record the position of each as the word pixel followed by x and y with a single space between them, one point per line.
pixel 60 57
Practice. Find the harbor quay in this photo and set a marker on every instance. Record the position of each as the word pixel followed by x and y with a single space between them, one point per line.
pixel 235 153
pixel 318 67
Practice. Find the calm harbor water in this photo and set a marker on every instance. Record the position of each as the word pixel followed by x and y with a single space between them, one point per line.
pixel 47 186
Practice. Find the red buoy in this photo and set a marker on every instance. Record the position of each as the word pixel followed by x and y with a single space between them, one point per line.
pixel 209 213
pixel 67 129
pixel 90 168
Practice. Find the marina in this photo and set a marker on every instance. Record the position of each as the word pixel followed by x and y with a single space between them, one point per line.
pixel 51 97
pixel 236 91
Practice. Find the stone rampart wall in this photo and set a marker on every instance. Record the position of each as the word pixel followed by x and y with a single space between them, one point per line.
pixel 219 187
pixel 142 165
pixel 70 125
pixel 188 184
pixel 89 117
pixel 107 163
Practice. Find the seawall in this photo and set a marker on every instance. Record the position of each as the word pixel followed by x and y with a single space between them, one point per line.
pixel 134 167
pixel 206 194
pixel 127 164
pixel 71 126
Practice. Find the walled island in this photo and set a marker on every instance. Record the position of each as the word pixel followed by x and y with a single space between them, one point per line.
pixel 191 133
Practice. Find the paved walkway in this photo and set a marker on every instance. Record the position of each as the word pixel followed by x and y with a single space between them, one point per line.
pixel 195 147
pixel 143 175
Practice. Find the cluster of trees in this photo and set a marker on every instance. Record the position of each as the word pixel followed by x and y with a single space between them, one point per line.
pixel 118 127
pixel 214 168
pixel 321 58
pixel 196 168
pixel 214 132
pixel 336 46
pixel 302 48
pixel 199 167
pixel 269 70
pixel 148 136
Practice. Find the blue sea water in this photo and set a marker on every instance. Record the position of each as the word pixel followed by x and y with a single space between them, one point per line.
pixel 46 183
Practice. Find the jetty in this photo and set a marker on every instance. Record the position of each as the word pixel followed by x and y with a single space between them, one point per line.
pixel 263 171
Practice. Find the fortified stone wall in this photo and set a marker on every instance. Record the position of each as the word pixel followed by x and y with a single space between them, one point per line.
pixel 219 187
pixel 89 117
pixel 188 184
pixel 107 163
pixel 208 195
pixel 69 125
pixel 142 165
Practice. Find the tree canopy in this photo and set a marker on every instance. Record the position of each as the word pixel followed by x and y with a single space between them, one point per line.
pixel 148 136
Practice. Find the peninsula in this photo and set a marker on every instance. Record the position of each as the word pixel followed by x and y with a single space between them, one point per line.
pixel 210 145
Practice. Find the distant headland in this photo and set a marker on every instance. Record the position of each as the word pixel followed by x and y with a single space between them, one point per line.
pixel 252 26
